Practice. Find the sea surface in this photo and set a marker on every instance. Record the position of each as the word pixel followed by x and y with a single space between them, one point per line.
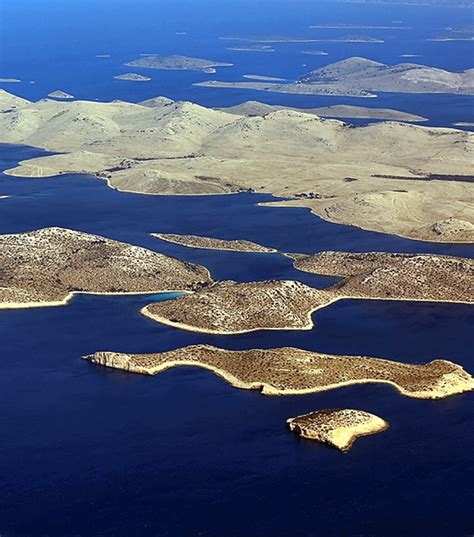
pixel 87 451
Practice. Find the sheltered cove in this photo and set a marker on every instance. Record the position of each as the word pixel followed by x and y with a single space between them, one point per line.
pixel 47 267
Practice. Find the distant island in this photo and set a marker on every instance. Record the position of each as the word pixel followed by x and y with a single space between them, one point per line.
pixel 315 52
pixel 429 3
pixel 256 108
pixel 58 94
pixel 269 39
pixel 133 77
pixel 350 39
pixel 252 48
pixel 9 80
pixel 442 38
pixel 360 77
pixel 264 78
pixel 343 26
pixel 176 62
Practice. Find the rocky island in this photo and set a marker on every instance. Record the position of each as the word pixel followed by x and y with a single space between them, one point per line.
pixel 256 108
pixel 252 48
pixel 378 275
pixel 290 371
pixel 346 26
pixel 209 243
pixel 339 427
pixel 133 77
pixel 387 176
pixel 176 62
pixel 360 77
pixel 232 308
pixel 58 94
pixel 315 52
pixel 268 39
pixel 264 78
pixel 46 267
pixel 350 39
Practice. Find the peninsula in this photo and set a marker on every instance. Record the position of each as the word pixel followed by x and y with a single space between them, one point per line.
pixel 386 176
pixel 209 243
pixel 133 77
pixel 290 371
pixel 46 267
pixel 338 428
pixel 176 62
pixel 233 308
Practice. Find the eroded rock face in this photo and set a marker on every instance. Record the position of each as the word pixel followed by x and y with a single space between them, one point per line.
pixel 286 371
pixel 338 428
pixel 45 267
pixel 231 308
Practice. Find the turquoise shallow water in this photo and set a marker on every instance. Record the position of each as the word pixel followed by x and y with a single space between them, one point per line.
pixel 88 451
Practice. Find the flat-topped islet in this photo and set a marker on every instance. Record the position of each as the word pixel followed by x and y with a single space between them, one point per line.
pixel 46 267
pixel 133 77
pixel 59 94
pixel 177 62
pixel 339 427
pixel 290 371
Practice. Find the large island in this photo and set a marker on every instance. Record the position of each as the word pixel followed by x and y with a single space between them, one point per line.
pixel 388 176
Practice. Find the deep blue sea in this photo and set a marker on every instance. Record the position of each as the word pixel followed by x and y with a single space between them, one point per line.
pixel 87 451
